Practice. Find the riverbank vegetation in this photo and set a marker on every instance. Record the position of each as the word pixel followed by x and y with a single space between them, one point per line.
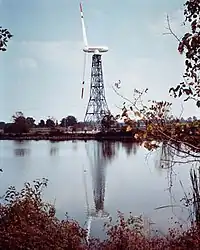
pixel 26 222
pixel 21 124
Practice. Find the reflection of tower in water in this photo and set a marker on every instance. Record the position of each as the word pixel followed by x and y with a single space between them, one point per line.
pixel 99 154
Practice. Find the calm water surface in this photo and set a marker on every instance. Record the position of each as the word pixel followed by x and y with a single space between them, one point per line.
pixel 96 176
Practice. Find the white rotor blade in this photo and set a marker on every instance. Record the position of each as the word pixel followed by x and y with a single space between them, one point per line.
pixel 84 70
pixel 83 27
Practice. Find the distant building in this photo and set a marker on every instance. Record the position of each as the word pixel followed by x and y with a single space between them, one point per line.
pixel 40 130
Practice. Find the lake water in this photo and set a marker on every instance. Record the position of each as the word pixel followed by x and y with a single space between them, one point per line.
pixel 97 175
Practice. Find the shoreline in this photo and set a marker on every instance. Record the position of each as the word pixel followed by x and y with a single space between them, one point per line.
pixel 111 136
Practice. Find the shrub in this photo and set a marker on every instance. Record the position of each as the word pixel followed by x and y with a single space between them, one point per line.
pixel 28 223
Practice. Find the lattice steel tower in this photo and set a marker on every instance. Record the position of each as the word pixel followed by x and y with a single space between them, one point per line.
pixel 97 106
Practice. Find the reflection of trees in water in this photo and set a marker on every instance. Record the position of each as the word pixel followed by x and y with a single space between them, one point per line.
pixel 21 142
pixel 108 150
pixel 21 151
pixel 117 146
pixel 53 151
pixel 53 148
pixel 194 200
pixel 74 145
pixel 169 156
pixel 166 156
pixel 21 148
pixel 166 161
pixel 130 147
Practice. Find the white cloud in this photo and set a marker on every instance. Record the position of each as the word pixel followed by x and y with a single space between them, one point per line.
pixel 62 54
pixel 54 89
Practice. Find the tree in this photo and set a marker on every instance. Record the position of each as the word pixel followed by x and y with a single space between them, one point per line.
pixel 2 125
pixel 190 46
pixel 71 120
pixel 5 35
pixel 108 122
pixel 63 122
pixel 19 124
pixel 68 121
pixel 30 122
pixel 27 223
pixel 194 118
pixel 41 124
pixel 50 123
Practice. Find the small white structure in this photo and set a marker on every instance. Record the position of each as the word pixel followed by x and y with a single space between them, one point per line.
pixel 131 115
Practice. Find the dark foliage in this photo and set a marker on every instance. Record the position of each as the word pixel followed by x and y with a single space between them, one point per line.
pixel 28 223
pixel 68 121
pixel 5 35
pixel 55 132
pixel 108 122
pixel 41 124
pixel 2 125
pixel 50 123
pixel 190 46
pixel 20 124
pixel 30 122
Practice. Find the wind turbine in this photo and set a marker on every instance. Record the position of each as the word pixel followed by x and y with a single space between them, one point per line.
pixel 87 48
pixel 97 106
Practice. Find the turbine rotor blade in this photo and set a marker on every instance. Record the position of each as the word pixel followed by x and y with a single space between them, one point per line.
pixel 81 10
pixel 83 27
pixel 84 70
pixel 82 92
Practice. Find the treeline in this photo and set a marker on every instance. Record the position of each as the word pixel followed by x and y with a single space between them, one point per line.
pixel 22 124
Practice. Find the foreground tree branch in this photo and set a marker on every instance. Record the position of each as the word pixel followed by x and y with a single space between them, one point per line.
pixel 170 30
pixel 5 35
pixel 159 127
pixel 190 46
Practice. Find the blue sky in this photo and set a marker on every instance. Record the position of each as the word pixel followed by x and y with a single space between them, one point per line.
pixel 41 73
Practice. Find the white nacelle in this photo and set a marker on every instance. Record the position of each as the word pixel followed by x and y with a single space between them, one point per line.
pixel 95 49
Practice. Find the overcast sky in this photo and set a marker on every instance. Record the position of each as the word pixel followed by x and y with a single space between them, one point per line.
pixel 41 73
